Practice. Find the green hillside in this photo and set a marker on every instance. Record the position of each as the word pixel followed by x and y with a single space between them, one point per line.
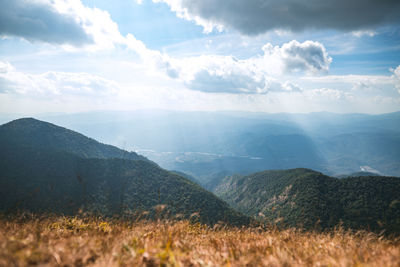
pixel 309 199
pixel 39 178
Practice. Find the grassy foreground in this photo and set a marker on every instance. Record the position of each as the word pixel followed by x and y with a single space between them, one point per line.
pixel 70 241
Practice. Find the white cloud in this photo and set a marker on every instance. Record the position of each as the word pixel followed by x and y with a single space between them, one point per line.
pixel 291 87
pixel 254 75
pixel 226 74
pixel 97 23
pixel 330 94
pixel 51 84
pixel 254 16
pixel 222 74
pixel 309 56
pixel 6 67
pixel 154 60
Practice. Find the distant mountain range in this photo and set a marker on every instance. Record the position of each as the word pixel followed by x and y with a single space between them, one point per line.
pixel 46 168
pixel 210 145
pixel 309 199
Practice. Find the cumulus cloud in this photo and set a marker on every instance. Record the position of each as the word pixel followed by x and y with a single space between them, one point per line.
pixel 254 75
pixel 226 74
pixel 308 57
pixel 227 78
pixel 53 83
pixel 254 16
pixel 212 82
pixel 58 22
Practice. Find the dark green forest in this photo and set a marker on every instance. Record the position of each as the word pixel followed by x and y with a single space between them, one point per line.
pixel 311 200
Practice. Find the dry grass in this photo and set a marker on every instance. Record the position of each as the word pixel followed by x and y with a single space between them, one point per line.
pixel 69 241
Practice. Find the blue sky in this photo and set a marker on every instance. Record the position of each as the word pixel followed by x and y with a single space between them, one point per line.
pixel 286 56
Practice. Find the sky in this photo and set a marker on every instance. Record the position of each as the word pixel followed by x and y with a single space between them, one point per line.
pixel 292 56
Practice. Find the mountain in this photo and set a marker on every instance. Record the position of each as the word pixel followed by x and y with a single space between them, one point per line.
pixel 46 168
pixel 309 199
pixel 40 134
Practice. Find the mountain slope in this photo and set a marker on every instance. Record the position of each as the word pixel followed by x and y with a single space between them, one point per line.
pixel 37 178
pixel 302 197
pixel 40 134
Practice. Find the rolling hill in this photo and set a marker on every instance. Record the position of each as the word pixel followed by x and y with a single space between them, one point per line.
pixel 48 169
pixel 309 199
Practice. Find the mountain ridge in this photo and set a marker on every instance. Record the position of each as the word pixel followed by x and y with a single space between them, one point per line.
pixel 45 134
pixel 39 178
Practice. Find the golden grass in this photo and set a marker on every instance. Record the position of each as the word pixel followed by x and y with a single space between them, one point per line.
pixel 70 241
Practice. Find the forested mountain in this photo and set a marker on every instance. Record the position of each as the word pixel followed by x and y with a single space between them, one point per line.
pixel 46 168
pixel 309 199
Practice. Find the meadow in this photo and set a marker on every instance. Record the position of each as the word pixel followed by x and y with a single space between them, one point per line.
pixel 83 241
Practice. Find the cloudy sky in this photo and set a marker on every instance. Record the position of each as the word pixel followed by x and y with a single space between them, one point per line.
pixel 254 55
